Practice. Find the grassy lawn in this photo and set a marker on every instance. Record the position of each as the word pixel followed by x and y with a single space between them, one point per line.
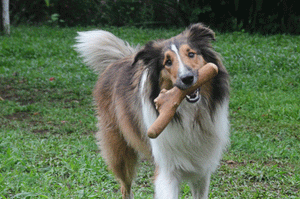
pixel 47 118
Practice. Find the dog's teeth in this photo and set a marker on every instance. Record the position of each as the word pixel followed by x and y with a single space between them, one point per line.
pixel 194 97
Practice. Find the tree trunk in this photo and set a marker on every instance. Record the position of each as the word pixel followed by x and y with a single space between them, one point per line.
pixel 1 23
pixel 5 17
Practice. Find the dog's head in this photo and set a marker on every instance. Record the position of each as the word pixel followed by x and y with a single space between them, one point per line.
pixel 175 62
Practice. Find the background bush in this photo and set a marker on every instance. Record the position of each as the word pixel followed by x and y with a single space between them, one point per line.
pixel 281 16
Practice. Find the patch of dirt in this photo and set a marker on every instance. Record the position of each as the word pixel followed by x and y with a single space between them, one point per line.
pixel 17 89
pixel 35 123
pixel 234 164
pixel 25 120
pixel 40 131
pixel 19 116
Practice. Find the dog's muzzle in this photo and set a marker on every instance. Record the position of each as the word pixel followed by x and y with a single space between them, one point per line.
pixel 185 81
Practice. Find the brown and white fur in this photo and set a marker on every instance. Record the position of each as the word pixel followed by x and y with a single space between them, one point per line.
pixel 191 146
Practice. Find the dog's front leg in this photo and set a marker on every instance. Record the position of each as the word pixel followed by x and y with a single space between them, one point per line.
pixel 200 186
pixel 166 185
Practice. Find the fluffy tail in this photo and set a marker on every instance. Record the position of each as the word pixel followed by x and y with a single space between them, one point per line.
pixel 100 48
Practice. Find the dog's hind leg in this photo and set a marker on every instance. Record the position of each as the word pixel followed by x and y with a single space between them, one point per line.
pixel 120 158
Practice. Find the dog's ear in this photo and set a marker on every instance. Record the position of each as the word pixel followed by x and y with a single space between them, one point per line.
pixel 149 53
pixel 200 37
pixel 200 34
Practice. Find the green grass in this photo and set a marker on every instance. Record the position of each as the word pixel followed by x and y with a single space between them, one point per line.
pixel 47 118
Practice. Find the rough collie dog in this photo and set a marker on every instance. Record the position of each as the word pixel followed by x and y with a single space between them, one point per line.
pixel 191 146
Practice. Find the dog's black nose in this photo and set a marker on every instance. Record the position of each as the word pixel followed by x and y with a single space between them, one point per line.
pixel 187 79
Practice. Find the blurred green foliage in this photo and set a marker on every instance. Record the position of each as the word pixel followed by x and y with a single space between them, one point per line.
pixel 268 17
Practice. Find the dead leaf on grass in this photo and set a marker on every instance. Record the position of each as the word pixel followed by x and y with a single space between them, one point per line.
pixel 230 162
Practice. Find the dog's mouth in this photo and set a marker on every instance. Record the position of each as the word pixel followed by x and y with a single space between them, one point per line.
pixel 194 96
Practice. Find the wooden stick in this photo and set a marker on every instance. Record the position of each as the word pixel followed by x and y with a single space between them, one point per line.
pixel 167 101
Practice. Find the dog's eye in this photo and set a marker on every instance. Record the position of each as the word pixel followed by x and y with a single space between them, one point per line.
pixel 168 62
pixel 191 55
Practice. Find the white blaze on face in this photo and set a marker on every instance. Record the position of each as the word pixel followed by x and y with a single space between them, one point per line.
pixel 181 68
